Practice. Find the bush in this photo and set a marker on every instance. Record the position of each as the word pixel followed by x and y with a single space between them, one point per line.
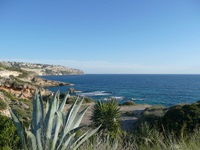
pixel 7 94
pixel 24 114
pixel 153 116
pixel 182 118
pixel 107 115
pixel 24 74
pixel 8 134
pixel 129 113
pixel 3 104
pixel 128 103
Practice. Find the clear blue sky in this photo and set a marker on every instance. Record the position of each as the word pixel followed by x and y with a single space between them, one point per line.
pixel 103 36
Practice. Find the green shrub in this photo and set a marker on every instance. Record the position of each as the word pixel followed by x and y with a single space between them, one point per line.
pixel 182 118
pixel 24 115
pixel 7 94
pixel 8 134
pixel 3 104
pixel 107 114
pixel 152 116
pixel 128 103
pixel 129 113
pixel 23 74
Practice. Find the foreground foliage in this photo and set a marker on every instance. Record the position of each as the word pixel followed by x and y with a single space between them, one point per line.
pixel 3 104
pixel 107 114
pixel 8 134
pixel 182 118
pixel 147 138
pixel 55 130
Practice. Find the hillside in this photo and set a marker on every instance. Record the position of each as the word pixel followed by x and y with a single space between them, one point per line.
pixel 39 69
pixel 18 82
pixel 21 79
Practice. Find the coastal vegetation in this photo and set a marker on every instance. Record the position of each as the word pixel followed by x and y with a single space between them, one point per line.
pixel 156 127
pixel 8 134
pixel 3 104
pixel 107 114
pixel 128 103
pixel 55 130
pixel 72 99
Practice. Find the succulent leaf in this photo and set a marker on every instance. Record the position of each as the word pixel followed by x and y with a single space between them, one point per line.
pixel 62 105
pixel 20 129
pixel 32 139
pixel 56 130
pixel 79 118
pixel 83 139
pixel 68 137
pixel 50 116
pixel 37 119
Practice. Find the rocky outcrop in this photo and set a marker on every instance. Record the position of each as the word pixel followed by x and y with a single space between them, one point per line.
pixel 18 82
pixel 45 83
pixel 21 79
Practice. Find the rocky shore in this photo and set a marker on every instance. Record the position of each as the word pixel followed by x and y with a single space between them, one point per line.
pixel 18 82
pixel 21 79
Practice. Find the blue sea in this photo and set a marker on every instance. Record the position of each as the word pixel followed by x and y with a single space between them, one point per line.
pixel 164 90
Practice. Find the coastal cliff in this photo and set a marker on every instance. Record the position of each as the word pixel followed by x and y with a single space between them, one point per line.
pixel 21 79
pixel 18 82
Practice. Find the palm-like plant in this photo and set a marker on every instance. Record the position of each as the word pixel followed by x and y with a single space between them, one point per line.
pixel 55 130
pixel 107 115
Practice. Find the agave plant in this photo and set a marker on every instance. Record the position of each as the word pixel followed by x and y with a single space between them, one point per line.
pixel 52 129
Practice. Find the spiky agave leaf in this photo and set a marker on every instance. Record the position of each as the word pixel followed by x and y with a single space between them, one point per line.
pixel 31 139
pixel 58 100
pixel 47 106
pixel 71 115
pixel 20 129
pixel 37 119
pixel 70 124
pixel 66 122
pixel 62 105
pixel 79 118
pixel 50 116
pixel 82 139
pixel 57 128
pixel 69 138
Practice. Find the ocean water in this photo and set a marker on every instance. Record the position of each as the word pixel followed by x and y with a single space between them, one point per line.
pixel 164 90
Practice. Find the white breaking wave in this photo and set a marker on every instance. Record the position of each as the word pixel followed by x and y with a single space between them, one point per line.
pixel 119 98
pixel 95 93
pixel 137 99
